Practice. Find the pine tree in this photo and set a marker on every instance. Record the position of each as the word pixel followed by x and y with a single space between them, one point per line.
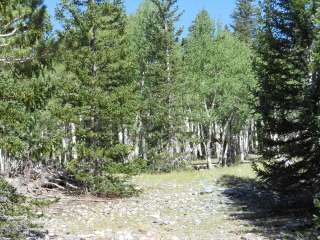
pixel 139 51
pixel 244 20
pixel 309 168
pixel 24 51
pixel 285 41
pixel 156 43
pixel 102 103
pixel 23 33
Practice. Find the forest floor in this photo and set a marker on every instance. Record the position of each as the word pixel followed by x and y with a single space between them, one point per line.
pixel 222 204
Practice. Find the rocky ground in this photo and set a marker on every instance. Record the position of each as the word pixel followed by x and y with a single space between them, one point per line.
pixel 219 204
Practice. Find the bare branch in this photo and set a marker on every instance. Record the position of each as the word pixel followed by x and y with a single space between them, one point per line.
pixel 13 21
pixel 10 60
pixel 10 34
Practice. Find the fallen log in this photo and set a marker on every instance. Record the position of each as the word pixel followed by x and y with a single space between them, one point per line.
pixel 51 185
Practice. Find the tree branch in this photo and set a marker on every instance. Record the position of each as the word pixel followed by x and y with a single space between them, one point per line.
pixel 13 21
pixel 9 60
pixel 10 34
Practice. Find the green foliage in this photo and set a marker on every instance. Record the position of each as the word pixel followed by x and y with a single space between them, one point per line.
pixel 119 88
pixel 317 214
pixel 43 202
pixel 16 212
pixel 219 80
pixel 155 52
pixel 13 210
pixel 98 95
pixel 134 167
pixel 8 193
pixel 163 162
pixel 24 35
pixel 288 98
pixel 24 53
pixel 24 117
pixel 244 20
pixel 111 186
pixel 112 181
pixel 113 178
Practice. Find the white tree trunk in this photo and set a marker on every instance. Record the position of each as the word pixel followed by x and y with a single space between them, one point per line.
pixel 65 145
pixel 2 163
pixel 242 146
pixel 208 148
pixel 199 148
pixel 74 141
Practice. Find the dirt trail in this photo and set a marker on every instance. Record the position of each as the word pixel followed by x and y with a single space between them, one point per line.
pixel 182 206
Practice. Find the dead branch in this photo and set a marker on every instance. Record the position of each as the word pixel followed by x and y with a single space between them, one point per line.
pixel 51 185
pixel 10 34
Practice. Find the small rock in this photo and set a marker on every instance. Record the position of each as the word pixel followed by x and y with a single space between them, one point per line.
pixel 207 190
pixel 174 238
pixel 249 236
pixel 4 199
pixel 197 221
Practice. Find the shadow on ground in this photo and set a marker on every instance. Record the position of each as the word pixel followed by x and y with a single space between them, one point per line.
pixel 271 215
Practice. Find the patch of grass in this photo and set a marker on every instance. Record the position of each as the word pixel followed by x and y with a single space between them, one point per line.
pixel 183 177
pixel 43 202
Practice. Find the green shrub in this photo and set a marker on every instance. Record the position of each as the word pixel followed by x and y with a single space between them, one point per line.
pixel 134 167
pixel 111 186
pixel 112 179
pixel 163 162
pixel 14 212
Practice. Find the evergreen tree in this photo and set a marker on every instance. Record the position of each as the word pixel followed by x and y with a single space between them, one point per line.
pixel 102 96
pixel 285 41
pixel 308 170
pixel 139 50
pixel 244 20
pixel 156 43
pixel 163 77
pixel 24 28
pixel 23 33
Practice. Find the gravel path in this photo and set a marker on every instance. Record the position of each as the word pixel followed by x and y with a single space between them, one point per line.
pixel 169 209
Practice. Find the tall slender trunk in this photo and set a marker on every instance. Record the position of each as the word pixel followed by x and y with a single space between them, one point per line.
pixel 2 163
pixel 209 138
pixel 65 146
pixel 242 146
pixel 187 144
pixel 94 118
pixel 222 143
pixel 74 141
pixel 199 148
pixel 208 147
pixel 172 136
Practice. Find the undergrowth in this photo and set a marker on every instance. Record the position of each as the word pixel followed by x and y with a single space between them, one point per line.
pixel 16 213
pixel 112 180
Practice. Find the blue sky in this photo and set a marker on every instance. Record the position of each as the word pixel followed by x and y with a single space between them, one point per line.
pixel 218 9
